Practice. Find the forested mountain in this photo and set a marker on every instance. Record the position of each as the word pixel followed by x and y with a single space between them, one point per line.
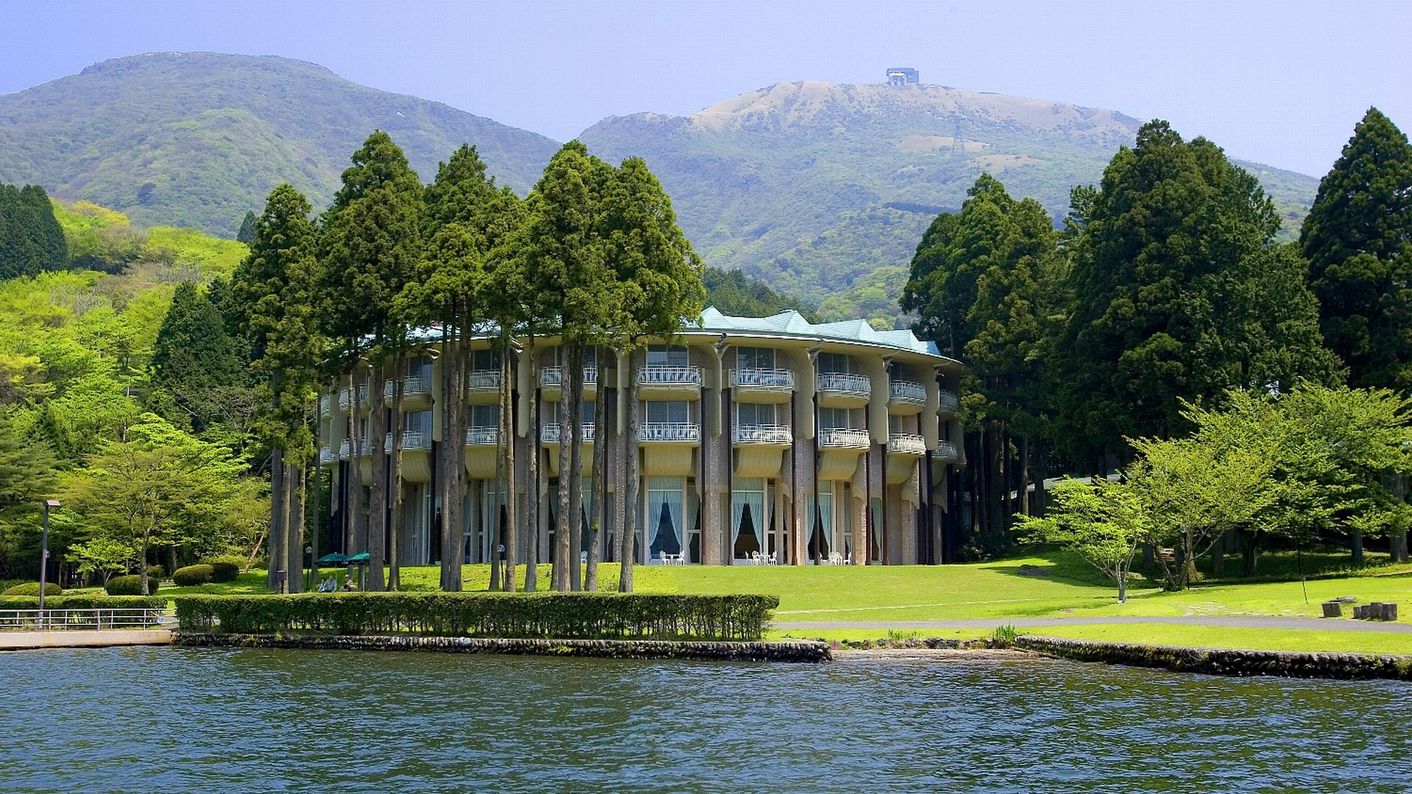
pixel 199 139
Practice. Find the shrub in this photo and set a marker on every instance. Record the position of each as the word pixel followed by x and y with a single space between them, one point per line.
pixel 511 616
pixel 225 569
pixel 156 572
pixel 193 575
pixel 1003 636
pixel 84 602
pixel 130 585
pixel 32 589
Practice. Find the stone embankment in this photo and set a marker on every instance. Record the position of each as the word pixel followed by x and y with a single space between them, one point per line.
pixel 607 649
pixel 1216 661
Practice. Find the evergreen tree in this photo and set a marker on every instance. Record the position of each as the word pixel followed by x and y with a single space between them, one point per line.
pixel 1358 239
pixel 194 362
pixel 247 228
pixel 31 240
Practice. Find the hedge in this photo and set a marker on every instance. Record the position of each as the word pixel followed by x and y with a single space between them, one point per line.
pixel 129 585
pixel 84 602
pixel 32 589
pixel 192 575
pixel 225 569
pixel 504 615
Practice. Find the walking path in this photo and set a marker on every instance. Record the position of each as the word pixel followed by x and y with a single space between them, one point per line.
pixel 30 640
pixel 1227 621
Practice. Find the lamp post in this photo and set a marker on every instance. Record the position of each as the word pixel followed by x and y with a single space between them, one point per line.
pixel 44 556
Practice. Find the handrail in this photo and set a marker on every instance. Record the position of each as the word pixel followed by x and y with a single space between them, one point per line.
pixel 907 391
pixel 844 438
pixel 412 384
pixel 93 618
pixel 345 397
pixel 549 432
pixel 906 444
pixel 846 382
pixel 946 450
pixel 482 436
pixel 345 449
pixel 949 402
pixel 668 376
pixel 763 378
pixel 325 404
pixel 326 455
pixel 670 431
pixel 411 439
pixel 554 376
pixel 481 379
pixel 762 434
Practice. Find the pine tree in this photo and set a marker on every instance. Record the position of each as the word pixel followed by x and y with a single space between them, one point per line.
pixel 194 362
pixel 31 240
pixel 247 228
pixel 1358 239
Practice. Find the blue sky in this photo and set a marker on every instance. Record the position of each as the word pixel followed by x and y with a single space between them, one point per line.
pixel 1277 82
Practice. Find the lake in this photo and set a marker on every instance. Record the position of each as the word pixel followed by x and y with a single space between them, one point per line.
pixel 161 719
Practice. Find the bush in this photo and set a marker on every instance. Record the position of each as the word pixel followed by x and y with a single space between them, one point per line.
pixel 84 602
pixel 193 575
pixel 130 585
pixel 510 616
pixel 1003 636
pixel 32 589
pixel 156 572
pixel 225 569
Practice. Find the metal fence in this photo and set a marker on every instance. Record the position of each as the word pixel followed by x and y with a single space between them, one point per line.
pixel 57 619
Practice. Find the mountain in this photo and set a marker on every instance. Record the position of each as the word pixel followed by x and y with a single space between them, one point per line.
pixel 823 190
pixel 197 139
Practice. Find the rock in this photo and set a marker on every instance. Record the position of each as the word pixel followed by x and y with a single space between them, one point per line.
pixel 1033 570
pixel 1333 609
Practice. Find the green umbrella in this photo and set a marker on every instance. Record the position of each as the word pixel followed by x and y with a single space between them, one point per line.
pixel 360 559
pixel 332 559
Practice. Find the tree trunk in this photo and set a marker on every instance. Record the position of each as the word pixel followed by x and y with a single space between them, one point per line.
pixel 1122 587
pixel 575 381
pixel 532 474
pixel 630 512
pixel 1024 472
pixel 563 544
pixel 442 472
pixel 512 498
pixel 277 519
pixel 294 526
pixel 1357 547
pixel 318 478
pixel 598 486
pixel 355 517
pixel 1250 553
pixel 454 508
pixel 1188 560
pixel 377 492
pixel 503 442
pixel 394 540
pixel 1218 555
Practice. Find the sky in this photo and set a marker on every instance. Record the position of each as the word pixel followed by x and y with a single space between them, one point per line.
pixel 1281 83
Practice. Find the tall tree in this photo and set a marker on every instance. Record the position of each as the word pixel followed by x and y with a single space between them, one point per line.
pixel 247 228
pixel 1358 238
pixel 195 365
pixel 31 239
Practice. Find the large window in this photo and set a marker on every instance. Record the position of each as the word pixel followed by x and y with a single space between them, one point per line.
pixel 664 517
pixel 755 358
pixel 485 359
pixel 666 356
pixel 485 416
pixel 748 522
pixel 820 529
pixel 831 418
pixel 833 362
pixel 669 411
pixel 747 414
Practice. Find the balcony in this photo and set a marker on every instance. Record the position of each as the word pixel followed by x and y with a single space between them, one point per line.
pixel 345 449
pixel 411 440
pixel 483 451
pixel 549 433
pixel 946 452
pixel 345 398
pixel 416 392
pixel 483 386
pixel 669 383
pixel 906 444
pixel 552 378
pixel 482 436
pixel 325 404
pixel 761 385
pixel 762 435
pixel 327 457
pixel 906 397
pixel 949 404
pixel 670 433
pixel 843 438
pixel 844 389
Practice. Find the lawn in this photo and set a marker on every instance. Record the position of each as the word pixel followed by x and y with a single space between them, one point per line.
pixel 1242 638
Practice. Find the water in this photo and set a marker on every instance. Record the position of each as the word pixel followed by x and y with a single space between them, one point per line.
pixel 158 719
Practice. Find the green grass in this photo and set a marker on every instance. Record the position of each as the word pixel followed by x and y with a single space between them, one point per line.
pixel 1311 640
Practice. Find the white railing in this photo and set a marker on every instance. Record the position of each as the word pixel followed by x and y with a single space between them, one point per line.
pixel 483 379
pixel 411 439
pixel 412 384
pixel 345 397
pixel 781 379
pixel 846 383
pixel 670 431
pixel 907 391
pixel 553 377
pixel 843 438
pixel 762 434
pixel 326 456
pixel 482 436
pixel 325 404
pixel 949 402
pixel 549 432
pixel 668 376
pixel 946 450
pixel 906 444
pixel 52 619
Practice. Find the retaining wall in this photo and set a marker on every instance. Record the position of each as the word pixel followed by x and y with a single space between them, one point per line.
pixel 1215 661
pixel 608 649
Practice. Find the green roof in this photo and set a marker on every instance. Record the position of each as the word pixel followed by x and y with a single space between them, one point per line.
pixel 792 323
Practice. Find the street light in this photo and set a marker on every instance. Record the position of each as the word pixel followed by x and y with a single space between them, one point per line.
pixel 44 556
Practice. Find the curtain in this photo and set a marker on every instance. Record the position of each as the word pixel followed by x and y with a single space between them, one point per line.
pixel 664 522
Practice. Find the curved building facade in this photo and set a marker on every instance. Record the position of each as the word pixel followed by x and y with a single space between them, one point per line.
pixel 762 440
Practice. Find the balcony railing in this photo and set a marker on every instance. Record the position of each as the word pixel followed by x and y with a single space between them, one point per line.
pixel 345 449
pixel 846 383
pixel 949 403
pixel 907 391
pixel 412 384
pixel 482 436
pixel 553 377
pixel 781 379
pixel 670 431
pixel 669 376
pixel 906 444
pixel 411 439
pixel 762 434
pixel 946 451
pixel 325 404
pixel 843 438
pixel 345 397
pixel 483 379
pixel 549 432
pixel 327 456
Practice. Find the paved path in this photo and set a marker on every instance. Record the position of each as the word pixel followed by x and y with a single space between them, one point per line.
pixel 76 638
pixel 1227 621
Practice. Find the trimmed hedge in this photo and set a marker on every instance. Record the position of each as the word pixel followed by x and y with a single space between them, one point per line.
pixel 32 589
pixel 225 569
pixel 83 602
pixel 562 616
pixel 192 575
pixel 129 585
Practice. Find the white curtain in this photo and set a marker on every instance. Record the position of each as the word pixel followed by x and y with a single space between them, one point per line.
pixel 755 500
pixel 664 516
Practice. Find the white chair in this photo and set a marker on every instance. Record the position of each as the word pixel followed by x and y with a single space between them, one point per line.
pixel 773 558
pixel 663 558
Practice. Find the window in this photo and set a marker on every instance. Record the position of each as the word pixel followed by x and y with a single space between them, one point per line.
pixel 485 416
pixel 752 414
pixel 420 367
pixel 747 516
pixel 418 422
pixel 485 359
pixel 663 521
pixel 669 411
pixel 833 362
pixel 830 418
pixel 666 356
pixel 755 358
